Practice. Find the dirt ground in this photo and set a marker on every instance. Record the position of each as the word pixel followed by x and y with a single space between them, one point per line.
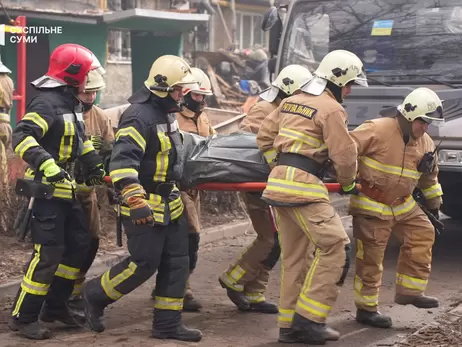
pixel 219 209
pixel 128 322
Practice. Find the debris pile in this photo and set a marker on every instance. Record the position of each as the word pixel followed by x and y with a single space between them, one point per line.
pixel 445 332
pixel 224 70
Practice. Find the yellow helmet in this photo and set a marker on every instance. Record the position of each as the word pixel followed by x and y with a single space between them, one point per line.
pixel 95 82
pixel 205 87
pixel 422 103
pixel 166 72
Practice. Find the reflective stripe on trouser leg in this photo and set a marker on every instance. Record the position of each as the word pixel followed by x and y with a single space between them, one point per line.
pixel 371 235
pixel 321 225
pixel 146 245
pixel 77 242
pixel 415 256
pixel 173 271
pixel 36 282
pixel 248 265
pixel 296 255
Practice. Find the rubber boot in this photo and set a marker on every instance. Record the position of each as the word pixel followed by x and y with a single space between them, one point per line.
pixel 95 301
pixel 33 331
pixel 62 314
pixel 419 301
pixel 312 332
pixel 373 319
pixel 190 304
pixel 287 335
pixel 264 307
pixel 167 325
pixel 238 298
pixel 76 305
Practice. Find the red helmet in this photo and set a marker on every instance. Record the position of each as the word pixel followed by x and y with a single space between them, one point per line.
pixel 70 64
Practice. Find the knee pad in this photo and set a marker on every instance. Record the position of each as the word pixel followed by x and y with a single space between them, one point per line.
pixel 346 266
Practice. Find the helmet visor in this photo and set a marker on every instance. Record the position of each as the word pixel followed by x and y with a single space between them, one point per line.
pixel 361 80
pixel 434 118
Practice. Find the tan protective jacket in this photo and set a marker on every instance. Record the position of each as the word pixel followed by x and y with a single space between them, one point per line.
pixel 315 127
pixel 391 166
pixel 189 122
pixel 256 115
pixel 6 102
pixel 97 123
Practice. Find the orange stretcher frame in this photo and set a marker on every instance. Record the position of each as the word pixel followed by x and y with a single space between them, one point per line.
pixel 20 90
pixel 243 187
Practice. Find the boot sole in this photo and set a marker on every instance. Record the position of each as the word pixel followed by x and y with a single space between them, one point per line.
pixel 305 338
pixel 418 306
pixel 381 326
pixel 169 337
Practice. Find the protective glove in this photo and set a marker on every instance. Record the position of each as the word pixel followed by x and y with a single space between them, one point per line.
pixel 97 141
pixel 95 176
pixel 140 211
pixel 53 173
pixel 350 190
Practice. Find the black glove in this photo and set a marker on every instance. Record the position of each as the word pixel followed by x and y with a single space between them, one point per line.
pixel 349 190
pixel 435 212
pixel 194 239
pixel 95 176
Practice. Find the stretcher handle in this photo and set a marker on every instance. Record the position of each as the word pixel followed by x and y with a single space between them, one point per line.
pixel 246 187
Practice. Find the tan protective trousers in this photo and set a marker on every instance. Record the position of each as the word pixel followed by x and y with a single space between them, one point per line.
pixel 5 143
pixel 192 204
pixel 416 235
pixel 89 201
pixel 311 291
pixel 247 274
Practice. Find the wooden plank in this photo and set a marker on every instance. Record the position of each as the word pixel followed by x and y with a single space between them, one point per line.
pixel 222 81
pixel 231 102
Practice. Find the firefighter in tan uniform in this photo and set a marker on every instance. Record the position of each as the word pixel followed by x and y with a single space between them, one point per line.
pixel 192 119
pixel 99 129
pixel 391 165
pixel 307 130
pixel 247 277
pixel 6 102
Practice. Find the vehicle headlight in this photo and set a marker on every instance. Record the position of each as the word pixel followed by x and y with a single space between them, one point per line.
pixel 449 157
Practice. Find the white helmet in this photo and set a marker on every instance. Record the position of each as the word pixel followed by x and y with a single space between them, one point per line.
pixel 339 67
pixel 290 79
pixel 205 87
pixel 3 68
pixel 422 103
pixel 95 81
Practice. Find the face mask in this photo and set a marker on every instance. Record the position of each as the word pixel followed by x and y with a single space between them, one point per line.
pixel 191 104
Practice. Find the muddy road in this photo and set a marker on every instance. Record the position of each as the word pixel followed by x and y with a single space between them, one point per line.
pixel 128 322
